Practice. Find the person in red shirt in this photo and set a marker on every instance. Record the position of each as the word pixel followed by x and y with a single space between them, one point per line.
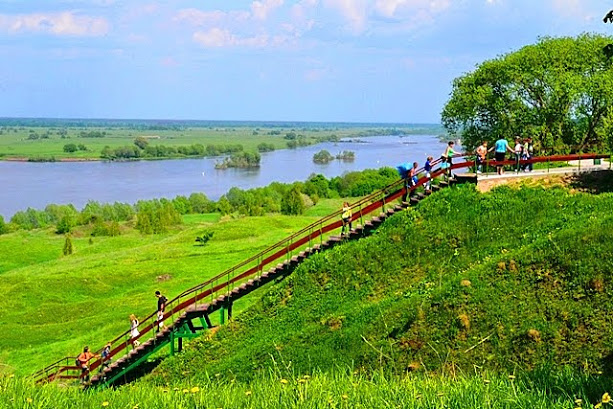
pixel 83 362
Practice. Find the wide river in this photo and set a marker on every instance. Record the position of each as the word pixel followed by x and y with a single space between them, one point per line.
pixel 26 184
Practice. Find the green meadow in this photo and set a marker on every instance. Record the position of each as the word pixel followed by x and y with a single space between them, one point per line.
pixel 27 142
pixel 58 304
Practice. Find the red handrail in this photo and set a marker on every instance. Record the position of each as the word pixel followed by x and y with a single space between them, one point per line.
pixel 214 286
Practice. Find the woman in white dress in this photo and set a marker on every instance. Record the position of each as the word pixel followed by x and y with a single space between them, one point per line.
pixel 134 330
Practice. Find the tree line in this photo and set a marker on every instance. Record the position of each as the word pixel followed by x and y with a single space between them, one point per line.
pixel 158 215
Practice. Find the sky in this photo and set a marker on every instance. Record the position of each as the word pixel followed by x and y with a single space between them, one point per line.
pixel 270 60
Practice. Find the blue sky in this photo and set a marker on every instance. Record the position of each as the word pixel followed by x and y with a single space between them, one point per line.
pixel 306 60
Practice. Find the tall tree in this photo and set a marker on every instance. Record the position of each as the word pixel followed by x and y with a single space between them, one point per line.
pixel 556 91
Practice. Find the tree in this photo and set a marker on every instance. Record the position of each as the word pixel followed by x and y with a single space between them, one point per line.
pixel 65 224
pixel 70 148
pixel 3 226
pixel 68 248
pixel 141 142
pixel 322 157
pixel 292 203
pixel 556 91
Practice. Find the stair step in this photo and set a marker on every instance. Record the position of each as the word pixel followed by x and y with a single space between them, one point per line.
pixel 421 196
pixel 398 208
pixel 436 188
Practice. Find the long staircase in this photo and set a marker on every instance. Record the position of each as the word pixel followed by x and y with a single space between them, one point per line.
pixel 189 314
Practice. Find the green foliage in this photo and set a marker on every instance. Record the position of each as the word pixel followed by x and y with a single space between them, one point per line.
pixel 109 229
pixel 347 156
pixel 3 227
pixel 156 216
pixel 204 238
pixel 266 147
pixel 70 148
pixel 240 160
pixel 199 203
pixel 141 142
pixel 30 219
pixel 340 389
pixel 557 91
pixel 68 247
pixel 292 202
pixel 364 182
pixel 65 224
pixel 323 156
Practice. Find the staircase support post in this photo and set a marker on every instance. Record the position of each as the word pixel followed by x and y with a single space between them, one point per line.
pixel 222 315
pixel 230 309
pixel 172 343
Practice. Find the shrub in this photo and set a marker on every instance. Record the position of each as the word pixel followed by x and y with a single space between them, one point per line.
pixel 292 203
pixel 70 148
pixel 68 248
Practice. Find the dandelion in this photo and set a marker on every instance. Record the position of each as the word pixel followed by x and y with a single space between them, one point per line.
pixel 247 393
pixel 195 389
pixel 578 402
pixel 284 381
pixel 301 380
pixel 29 400
pixel 105 403
pixel 307 377
pixel 606 398
pixel 185 390
pixel 598 405
pixel 511 377
pixel 345 397
pixel 486 381
pixel 135 406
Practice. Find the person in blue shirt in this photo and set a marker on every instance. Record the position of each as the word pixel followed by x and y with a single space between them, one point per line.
pixel 500 149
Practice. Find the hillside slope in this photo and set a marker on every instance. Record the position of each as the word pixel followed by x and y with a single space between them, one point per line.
pixel 509 280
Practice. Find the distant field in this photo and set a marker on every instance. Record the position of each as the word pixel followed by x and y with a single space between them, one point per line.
pixel 21 142
pixel 59 304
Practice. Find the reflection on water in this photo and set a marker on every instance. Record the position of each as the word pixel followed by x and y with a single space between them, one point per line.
pixel 24 185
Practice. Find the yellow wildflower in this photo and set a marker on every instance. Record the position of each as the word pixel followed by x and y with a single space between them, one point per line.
pixel 284 381
pixel 195 389
pixel 345 397
pixel 185 390
pixel 598 405
pixel 486 381
pixel 511 377
pixel 247 393
pixel 29 400
pixel 606 398
pixel 578 402
pixel 105 403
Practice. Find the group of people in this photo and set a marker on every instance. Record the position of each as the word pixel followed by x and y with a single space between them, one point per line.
pixel 83 359
pixel 523 150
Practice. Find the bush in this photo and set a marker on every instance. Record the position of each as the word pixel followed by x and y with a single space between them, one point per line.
pixel 68 248
pixel 3 227
pixel 65 225
pixel 292 203
pixel 266 147
pixel 155 216
pixel 70 148
pixel 323 157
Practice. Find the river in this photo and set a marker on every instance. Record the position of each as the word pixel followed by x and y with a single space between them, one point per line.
pixel 27 184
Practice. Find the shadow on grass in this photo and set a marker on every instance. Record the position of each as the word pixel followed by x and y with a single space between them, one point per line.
pixel 593 182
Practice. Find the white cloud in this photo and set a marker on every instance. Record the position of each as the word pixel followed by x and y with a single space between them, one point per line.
pixel 198 17
pixel 354 11
pixel 218 37
pixel 61 24
pixel 261 9
pixel 394 8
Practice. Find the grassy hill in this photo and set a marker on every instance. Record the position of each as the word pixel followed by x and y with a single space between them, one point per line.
pixel 507 281
pixel 497 300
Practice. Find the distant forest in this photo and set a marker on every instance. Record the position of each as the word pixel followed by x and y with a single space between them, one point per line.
pixel 170 124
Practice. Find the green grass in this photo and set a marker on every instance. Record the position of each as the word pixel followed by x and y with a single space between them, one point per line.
pixel 339 389
pixel 507 281
pixel 16 144
pixel 59 303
